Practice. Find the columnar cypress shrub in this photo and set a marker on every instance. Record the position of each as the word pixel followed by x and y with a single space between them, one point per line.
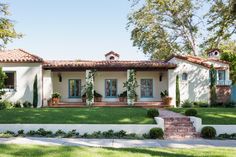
pixel 177 92
pixel 35 92
pixel 213 95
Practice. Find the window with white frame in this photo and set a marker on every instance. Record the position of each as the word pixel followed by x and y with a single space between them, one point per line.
pixel 221 75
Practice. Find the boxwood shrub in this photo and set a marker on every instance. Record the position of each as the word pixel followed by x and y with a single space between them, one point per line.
pixel 152 113
pixel 191 112
pixel 208 132
pixel 156 133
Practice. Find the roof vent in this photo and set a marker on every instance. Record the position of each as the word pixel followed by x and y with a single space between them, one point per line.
pixel 112 56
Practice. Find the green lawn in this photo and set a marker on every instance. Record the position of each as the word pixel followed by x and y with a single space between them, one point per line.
pixel 63 151
pixel 225 116
pixel 100 115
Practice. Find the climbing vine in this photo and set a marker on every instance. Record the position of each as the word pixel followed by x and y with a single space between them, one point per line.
pixel 177 92
pixel 89 87
pixel 213 78
pixel 131 84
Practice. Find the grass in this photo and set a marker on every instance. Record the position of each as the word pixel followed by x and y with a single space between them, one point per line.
pixel 63 151
pixel 224 116
pixel 100 115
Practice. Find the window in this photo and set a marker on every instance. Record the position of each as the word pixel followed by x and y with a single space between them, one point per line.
pixel 111 88
pixel 112 58
pixel 184 77
pixel 75 88
pixel 146 88
pixel 10 80
pixel 221 75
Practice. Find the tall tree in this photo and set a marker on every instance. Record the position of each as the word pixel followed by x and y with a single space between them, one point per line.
pixel 229 54
pixel 221 22
pixel 35 92
pixel 162 27
pixel 7 31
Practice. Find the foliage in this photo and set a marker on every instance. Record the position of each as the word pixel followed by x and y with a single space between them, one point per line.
pixel 20 132
pixel 27 104
pixel 190 112
pixel 187 104
pixel 213 78
pixel 7 134
pixel 3 76
pixel 164 27
pixel 156 133
pixel 208 132
pixel 123 94
pixel 35 92
pixel 221 23
pixel 17 104
pixel 164 94
pixel 229 55
pixel 227 136
pixel 6 105
pixel 56 95
pixel 200 104
pixel 7 31
pixel 229 104
pixel 152 113
pixel 95 93
pixel 177 92
pixel 131 84
pixel 89 87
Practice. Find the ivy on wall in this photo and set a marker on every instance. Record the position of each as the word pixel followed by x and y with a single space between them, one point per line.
pixel 131 84
pixel 177 92
pixel 213 78
pixel 89 87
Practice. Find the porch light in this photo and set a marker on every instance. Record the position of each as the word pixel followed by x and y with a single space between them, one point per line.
pixel 59 77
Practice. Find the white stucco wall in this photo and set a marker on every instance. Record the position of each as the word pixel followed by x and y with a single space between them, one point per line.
pixel 25 75
pixel 47 86
pixel 196 88
pixel 62 87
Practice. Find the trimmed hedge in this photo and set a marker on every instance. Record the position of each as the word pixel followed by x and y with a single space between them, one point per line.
pixel 191 112
pixel 156 133
pixel 208 132
pixel 152 113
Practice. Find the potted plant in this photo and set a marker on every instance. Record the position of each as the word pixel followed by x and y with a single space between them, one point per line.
pixel 165 98
pixel 56 98
pixel 123 97
pixel 97 97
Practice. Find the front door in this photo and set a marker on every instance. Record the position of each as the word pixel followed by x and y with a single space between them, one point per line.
pixel 111 88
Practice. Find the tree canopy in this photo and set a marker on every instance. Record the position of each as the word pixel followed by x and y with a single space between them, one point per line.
pixel 164 27
pixel 7 31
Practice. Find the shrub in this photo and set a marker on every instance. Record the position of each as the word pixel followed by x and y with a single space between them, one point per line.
pixel 31 133
pixel 20 132
pixel 42 132
pixel 152 113
pixel 191 112
pixel 72 133
pixel 56 95
pixel 96 94
pixel 187 104
pixel 6 105
pixel 208 132
pixel 27 104
pixel 60 133
pixel 155 133
pixel 200 104
pixel 229 104
pixel 17 104
pixel 108 134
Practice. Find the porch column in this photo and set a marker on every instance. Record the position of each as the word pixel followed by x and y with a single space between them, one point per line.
pixel 89 87
pixel 130 83
pixel 172 86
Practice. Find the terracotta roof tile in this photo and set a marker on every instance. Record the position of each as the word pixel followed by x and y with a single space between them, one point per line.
pixel 18 55
pixel 57 64
pixel 199 60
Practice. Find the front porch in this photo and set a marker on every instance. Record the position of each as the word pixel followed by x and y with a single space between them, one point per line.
pixel 150 104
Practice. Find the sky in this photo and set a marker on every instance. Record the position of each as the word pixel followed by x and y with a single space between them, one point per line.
pixel 73 29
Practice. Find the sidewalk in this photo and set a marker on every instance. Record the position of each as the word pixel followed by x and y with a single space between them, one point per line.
pixel 120 143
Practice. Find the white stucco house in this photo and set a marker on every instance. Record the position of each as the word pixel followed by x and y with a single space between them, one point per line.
pixel 67 77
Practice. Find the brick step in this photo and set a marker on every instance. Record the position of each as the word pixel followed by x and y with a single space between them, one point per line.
pixel 174 122
pixel 177 125
pixel 177 119
pixel 186 129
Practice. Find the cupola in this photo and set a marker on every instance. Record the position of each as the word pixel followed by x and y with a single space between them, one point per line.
pixel 214 53
pixel 112 56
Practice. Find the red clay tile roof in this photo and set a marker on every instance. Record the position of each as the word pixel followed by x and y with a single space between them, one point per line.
pixel 112 52
pixel 119 65
pixel 18 56
pixel 199 60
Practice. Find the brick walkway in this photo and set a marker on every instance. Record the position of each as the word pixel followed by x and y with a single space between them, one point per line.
pixel 168 114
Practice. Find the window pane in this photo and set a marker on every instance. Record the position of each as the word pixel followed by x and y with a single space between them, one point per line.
pixel 74 88
pixel 111 88
pixel 10 80
pixel 146 88
pixel 221 75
